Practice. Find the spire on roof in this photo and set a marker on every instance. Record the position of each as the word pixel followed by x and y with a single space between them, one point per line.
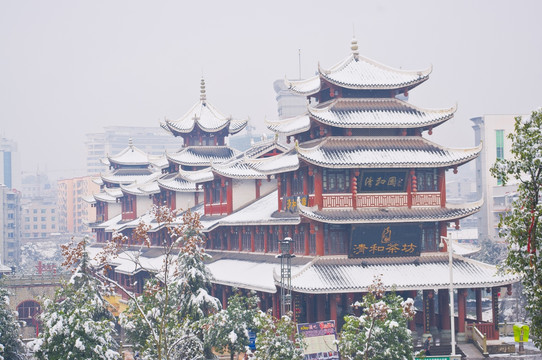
pixel 354 47
pixel 131 144
pixel 202 90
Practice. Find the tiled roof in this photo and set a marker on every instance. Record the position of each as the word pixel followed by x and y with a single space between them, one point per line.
pixel 175 183
pixel 381 152
pixel 105 197
pixel 290 126
pixel 260 212
pixel 358 72
pixel 202 155
pixel 207 118
pixel 427 272
pixel 389 215
pixel 131 155
pixel 261 148
pixel 197 176
pixel 244 167
pixel 248 271
pixel 377 113
pixel 129 176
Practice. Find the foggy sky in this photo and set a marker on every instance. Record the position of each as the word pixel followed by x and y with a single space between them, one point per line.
pixel 71 67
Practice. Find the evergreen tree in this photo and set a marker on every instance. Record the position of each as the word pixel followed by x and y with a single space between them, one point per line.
pixel 76 323
pixel 521 227
pixel 381 332
pixel 277 339
pixel 162 323
pixel 11 346
pixel 229 328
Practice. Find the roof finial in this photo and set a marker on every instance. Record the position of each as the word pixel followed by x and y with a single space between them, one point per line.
pixel 354 47
pixel 202 96
pixel 130 142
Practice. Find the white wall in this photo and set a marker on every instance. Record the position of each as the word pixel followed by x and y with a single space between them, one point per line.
pixel 244 192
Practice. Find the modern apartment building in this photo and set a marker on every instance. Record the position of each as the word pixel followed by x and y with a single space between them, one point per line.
pixel 73 212
pixel 492 131
pixel 151 140
pixel 10 171
pixel 39 218
pixel 10 225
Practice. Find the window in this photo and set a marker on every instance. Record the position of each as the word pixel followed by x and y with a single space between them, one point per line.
pixel 27 219
pixel 499 151
pixel 43 226
pixel 35 218
pixel 35 227
pixel 335 181
pixel 28 311
pixel 43 211
pixel 427 180
pixel 43 218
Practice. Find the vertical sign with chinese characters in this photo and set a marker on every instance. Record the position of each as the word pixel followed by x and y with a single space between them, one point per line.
pixel 385 241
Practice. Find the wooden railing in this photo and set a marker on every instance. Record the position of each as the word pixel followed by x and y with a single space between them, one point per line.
pixel 488 329
pixel 479 340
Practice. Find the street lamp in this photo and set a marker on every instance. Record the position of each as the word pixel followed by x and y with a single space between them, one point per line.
pixel 451 288
pixel 285 275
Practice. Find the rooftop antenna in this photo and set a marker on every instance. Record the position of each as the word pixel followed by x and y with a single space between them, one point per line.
pixel 299 55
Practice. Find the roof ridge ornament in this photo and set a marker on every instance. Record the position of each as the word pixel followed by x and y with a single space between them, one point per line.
pixel 131 144
pixel 202 95
pixel 354 47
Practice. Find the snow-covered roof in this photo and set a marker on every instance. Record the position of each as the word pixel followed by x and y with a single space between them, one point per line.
pixel 130 155
pixel 244 167
pixel 202 155
pixel 176 183
pixel 377 113
pixel 254 272
pixel 128 176
pixel 290 126
pixel 206 117
pixel 382 152
pixel 260 212
pixel 428 271
pixel 377 215
pixel 359 73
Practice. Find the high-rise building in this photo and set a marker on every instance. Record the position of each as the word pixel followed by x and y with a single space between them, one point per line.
pixel 289 104
pixel 73 212
pixel 10 225
pixel 39 218
pixel 151 140
pixel 10 173
pixel 492 131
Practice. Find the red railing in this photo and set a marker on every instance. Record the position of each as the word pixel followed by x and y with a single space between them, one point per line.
pixel 488 329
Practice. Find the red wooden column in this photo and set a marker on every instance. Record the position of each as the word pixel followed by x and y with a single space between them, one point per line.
pixel 252 243
pixel 442 186
pixel 478 304
pixel 461 309
pixel 309 304
pixel 229 195
pixel 320 307
pixel 306 239
pixel 333 307
pixel 265 237
pixel 318 189
pixel 279 194
pixel 319 230
pixel 444 308
pixel 225 291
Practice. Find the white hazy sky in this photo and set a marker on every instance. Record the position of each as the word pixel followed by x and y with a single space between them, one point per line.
pixel 71 67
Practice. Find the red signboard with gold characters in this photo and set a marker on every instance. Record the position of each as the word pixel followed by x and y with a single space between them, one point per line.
pixel 385 241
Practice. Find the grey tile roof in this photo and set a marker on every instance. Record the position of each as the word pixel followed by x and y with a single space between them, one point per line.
pixel 290 126
pixel 176 183
pixel 377 113
pixel 358 72
pixel 427 272
pixel 206 117
pixel 389 215
pixel 244 167
pixel 202 155
pixel 382 152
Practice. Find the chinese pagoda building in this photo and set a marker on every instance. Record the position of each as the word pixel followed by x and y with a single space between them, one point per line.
pixel 362 193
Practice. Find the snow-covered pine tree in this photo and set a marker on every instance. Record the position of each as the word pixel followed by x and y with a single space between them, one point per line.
pixel 229 329
pixel 381 332
pixel 11 346
pixel 76 323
